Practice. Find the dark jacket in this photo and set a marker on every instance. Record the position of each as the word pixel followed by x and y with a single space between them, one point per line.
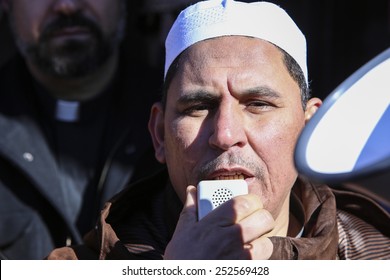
pixel 139 222
pixel 34 213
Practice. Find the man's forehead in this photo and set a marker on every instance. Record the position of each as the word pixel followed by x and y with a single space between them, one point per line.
pixel 242 53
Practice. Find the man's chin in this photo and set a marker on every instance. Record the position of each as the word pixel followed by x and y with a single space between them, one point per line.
pixel 70 59
pixel 69 63
pixel 66 66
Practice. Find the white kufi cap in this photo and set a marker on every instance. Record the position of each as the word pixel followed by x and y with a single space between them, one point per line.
pixel 216 18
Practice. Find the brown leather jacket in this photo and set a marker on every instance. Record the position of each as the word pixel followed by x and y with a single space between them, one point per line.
pixel 139 222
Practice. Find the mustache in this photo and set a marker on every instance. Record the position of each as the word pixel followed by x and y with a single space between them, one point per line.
pixel 229 160
pixel 65 21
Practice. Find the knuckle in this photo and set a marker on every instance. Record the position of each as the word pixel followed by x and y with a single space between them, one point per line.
pixel 247 203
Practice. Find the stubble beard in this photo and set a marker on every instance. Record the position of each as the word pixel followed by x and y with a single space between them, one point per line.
pixel 72 58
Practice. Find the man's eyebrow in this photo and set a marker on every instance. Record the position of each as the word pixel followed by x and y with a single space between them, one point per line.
pixel 206 96
pixel 197 96
pixel 261 91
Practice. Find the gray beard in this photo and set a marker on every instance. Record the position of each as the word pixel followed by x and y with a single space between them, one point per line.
pixel 73 59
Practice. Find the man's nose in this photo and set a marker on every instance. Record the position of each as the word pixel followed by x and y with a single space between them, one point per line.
pixel 67 7
pixel 228 128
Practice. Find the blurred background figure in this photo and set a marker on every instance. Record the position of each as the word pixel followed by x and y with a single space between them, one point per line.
pixel 341 38
pixel 73 118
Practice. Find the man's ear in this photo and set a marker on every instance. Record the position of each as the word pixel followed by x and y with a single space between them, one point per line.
pixel 311 108
pixel 156 129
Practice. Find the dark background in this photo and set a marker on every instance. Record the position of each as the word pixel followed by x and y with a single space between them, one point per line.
pixel 341 36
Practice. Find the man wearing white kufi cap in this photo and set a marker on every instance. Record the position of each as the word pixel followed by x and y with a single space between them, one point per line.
pixel 235 101
pixel 225 18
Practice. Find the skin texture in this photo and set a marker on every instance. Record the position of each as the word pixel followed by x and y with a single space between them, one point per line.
pixel 70 46
pixel 232 108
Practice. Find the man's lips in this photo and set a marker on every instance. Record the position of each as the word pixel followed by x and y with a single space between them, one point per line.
pixel 226 174
pixel 70 32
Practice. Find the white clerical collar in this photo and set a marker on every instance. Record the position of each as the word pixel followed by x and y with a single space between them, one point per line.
pixel 67 111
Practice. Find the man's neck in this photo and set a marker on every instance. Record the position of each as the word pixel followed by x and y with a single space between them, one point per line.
pixel 282 221
pixel 77 89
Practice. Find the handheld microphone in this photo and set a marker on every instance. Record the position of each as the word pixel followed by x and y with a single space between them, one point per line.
pixel 212 193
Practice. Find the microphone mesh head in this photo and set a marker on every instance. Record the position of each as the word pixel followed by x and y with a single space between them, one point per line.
pixel 220 196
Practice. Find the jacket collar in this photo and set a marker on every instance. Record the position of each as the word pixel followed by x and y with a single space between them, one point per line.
pixel 316 214
pixel 320 235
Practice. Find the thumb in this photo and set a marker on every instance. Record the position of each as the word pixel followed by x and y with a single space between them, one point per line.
pixel 177 247
pixel 189 213
pixel 190 197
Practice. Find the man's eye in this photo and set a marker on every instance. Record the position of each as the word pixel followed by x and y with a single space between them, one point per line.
pixel 196 109
pixel 259 105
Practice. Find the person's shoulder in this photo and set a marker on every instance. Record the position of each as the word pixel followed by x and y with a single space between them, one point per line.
pixel 352 201
pixel 359 239
pixel 363 225
pixel 139 194
pixel 363 207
